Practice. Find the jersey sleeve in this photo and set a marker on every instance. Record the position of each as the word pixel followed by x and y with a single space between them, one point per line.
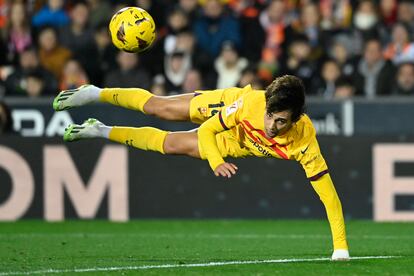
pixel 325 189
pixel 224 120
pixel 311 159
pixel 306 150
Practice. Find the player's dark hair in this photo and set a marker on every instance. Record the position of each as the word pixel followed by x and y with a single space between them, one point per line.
pixel 286 93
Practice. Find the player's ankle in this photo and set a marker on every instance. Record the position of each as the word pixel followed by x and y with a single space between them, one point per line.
pixel 104 131
pixel 94 93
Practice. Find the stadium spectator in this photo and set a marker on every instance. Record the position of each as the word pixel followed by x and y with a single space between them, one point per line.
pixel 104 54
pixel 16 84
pixel 78 36
pixel 253 33
pixel 340 52
pixel 190 7
pixel 299 61
pixel 373 74
pixel 51 14
pixel 344 89
pixel 308 26
pixel 214 27
pixel 100 12
pixel 388 12
pixel 129 73
pixel 401 48
pixel 177 22
pixel 366 15
pixel 269 28
pixel 17 32
pixel 158 86
pixel 35 85
pixel 52 55
pixel 335 14
pixel 325 85
pixel 273 22
pixel 365 25
pixel 249 77
pixel 404 84
pixel 405 13
pixel 4 6
pixel 186 42
pixel 192 82
pixel 6 120
pixel 176 66
pixel 229 66
pixel 73 75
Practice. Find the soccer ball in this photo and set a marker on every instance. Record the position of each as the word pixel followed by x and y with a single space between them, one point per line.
pixel 132 29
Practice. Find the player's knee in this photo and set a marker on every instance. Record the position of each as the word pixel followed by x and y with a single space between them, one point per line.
pixel 171 148
pixel 158 107
pixel 174 146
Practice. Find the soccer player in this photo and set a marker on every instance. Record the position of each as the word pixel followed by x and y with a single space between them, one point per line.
pixel 235 122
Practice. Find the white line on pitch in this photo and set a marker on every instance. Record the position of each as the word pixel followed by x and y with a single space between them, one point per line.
pixel 145 267
pixel 201 236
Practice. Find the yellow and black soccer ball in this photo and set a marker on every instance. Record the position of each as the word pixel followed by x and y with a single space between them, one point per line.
pixel 132 29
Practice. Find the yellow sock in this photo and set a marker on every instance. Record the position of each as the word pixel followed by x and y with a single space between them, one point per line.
pixel 145 138
pixel 131 98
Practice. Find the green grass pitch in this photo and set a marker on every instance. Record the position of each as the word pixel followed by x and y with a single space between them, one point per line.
pixel 202 247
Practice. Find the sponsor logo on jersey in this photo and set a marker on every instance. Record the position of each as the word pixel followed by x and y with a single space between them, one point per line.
pixel 260 148
pixel 304 150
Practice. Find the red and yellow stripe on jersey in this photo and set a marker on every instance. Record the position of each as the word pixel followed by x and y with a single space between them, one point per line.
pixel 236 117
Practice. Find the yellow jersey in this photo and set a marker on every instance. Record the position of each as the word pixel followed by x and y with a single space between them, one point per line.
pixel 237 129
pixel 233 125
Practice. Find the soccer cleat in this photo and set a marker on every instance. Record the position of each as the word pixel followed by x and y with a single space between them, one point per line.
pixel 84 94
pixel 340 255
pixel 91 128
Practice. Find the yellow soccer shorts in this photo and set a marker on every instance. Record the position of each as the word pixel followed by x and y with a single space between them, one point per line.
pixel 206 104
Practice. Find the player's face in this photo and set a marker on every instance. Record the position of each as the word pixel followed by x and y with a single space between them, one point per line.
pixel 277 123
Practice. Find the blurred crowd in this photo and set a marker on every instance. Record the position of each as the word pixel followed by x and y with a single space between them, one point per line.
pixel 340 48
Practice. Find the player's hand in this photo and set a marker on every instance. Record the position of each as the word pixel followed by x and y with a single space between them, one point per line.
pixel 225 170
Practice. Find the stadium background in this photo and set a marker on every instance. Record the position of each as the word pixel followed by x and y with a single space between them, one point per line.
pixel 356 59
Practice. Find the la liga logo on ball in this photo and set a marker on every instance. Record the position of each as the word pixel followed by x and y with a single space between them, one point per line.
pixel 132 29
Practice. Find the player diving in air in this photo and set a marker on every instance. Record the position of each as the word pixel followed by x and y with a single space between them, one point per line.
pixel 234 122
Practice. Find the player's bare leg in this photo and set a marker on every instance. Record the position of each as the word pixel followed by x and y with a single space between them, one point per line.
pixel 182 142
pixel 175 108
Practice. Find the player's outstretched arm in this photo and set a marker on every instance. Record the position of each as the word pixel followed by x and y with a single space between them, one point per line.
pixel 209 149
pixel 325 189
